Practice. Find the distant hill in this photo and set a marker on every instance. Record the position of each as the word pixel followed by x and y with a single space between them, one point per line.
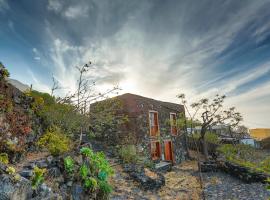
pixel 21 86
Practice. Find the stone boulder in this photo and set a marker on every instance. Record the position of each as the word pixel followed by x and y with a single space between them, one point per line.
pixel 14 190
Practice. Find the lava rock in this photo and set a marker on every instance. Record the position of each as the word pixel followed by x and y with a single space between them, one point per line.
pixel 77 192
pixel 9 190
pixel 26 173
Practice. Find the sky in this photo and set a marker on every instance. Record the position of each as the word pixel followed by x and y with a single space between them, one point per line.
pixel 153 48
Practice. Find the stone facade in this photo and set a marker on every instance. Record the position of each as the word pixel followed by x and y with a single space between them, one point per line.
pixel 137 130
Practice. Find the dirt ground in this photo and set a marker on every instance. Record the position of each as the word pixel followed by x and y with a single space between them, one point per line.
pixel 182 183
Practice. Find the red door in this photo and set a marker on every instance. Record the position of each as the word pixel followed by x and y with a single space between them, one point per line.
pixel 168 151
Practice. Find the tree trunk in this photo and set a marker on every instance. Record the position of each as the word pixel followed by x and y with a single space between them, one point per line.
pixel 204 144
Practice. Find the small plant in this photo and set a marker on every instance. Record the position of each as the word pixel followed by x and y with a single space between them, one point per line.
pixel 55 141
pixel 69 164
pixel 4 158
pixel 87 151
pixel 38 177
pixel 11 170
pixel 91 183
pixel 128 154
pixel 105 188
pixel 3 72
pixel 84 171
pixel 268 184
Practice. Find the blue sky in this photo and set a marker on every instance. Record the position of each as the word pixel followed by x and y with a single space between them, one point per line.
pixel 148 47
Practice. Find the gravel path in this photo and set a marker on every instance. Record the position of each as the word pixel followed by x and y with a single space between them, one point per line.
pixel 221 186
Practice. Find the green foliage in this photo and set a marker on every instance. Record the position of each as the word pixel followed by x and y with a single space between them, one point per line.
pixel 209 137
pixel 128 154
pixel 104 117
pixel 87 151
pixel 11 170
pixel 53 113
pixel 69 164
pixel 55 141
pixel 268 184
pixel 245 155
pixel 4 73
pixel 105 188
pixel 4 158
pixel 91 183
pixel 84 171
pixel 95 175
pixel 38 177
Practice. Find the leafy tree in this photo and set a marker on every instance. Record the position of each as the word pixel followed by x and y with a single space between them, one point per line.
pixel 212 113
pixel 105 118
pixel 3 72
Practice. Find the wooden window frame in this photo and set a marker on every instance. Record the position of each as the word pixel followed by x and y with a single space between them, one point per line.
pixel 150 127
pixel 155 142
pixel 172 154
pixel 171 123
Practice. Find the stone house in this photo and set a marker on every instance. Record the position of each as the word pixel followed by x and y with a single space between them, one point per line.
pixel 151 127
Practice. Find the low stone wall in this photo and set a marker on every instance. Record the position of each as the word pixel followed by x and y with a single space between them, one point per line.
pixel 245 174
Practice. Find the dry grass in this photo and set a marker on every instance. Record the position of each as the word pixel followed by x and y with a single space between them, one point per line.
pixel 180 184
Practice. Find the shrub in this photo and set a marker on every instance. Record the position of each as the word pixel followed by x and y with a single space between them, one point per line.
pixel 86 152
pixel 69 164
pixel 3 72
pixel 128 154
pixel 38 177
pixel 91 183
pixel 209 137
pixel 55 141
pixel 246 156
pixel 10 170
pixel 4 158
pixel 84 171
pixel 94 177
pixel 105 188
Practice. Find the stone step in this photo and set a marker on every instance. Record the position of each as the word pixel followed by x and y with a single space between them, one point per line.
pixel 163 166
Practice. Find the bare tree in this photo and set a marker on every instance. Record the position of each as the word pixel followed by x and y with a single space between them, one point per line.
pixel 55 86
pixel 212 113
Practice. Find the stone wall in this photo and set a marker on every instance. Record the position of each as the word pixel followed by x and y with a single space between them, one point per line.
pixel 137 130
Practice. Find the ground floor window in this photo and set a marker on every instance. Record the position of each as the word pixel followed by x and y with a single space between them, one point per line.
pixel 155 150
pixel 168 151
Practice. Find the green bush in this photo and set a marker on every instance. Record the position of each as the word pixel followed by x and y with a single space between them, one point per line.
pixel 105 188
pixel 246 156
pixel 84 171
pixel 94 172
pixel 3 72
pixel 209 137
pixel 69 164
pixel 4 158
pixel 55 141
pixel 38 177
pixel 128 154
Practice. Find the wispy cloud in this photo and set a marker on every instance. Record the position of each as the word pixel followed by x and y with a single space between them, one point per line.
pixel 160 49
pixel 3 5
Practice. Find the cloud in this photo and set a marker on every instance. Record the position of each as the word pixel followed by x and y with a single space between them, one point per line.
pixel 159 49
pixel 68 11
pixel 76 11
pixel 3 6
pixel 36 83
pixel 54 5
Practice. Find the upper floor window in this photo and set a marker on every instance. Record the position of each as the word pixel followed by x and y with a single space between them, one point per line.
pixel 153 121
pixel 173 123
